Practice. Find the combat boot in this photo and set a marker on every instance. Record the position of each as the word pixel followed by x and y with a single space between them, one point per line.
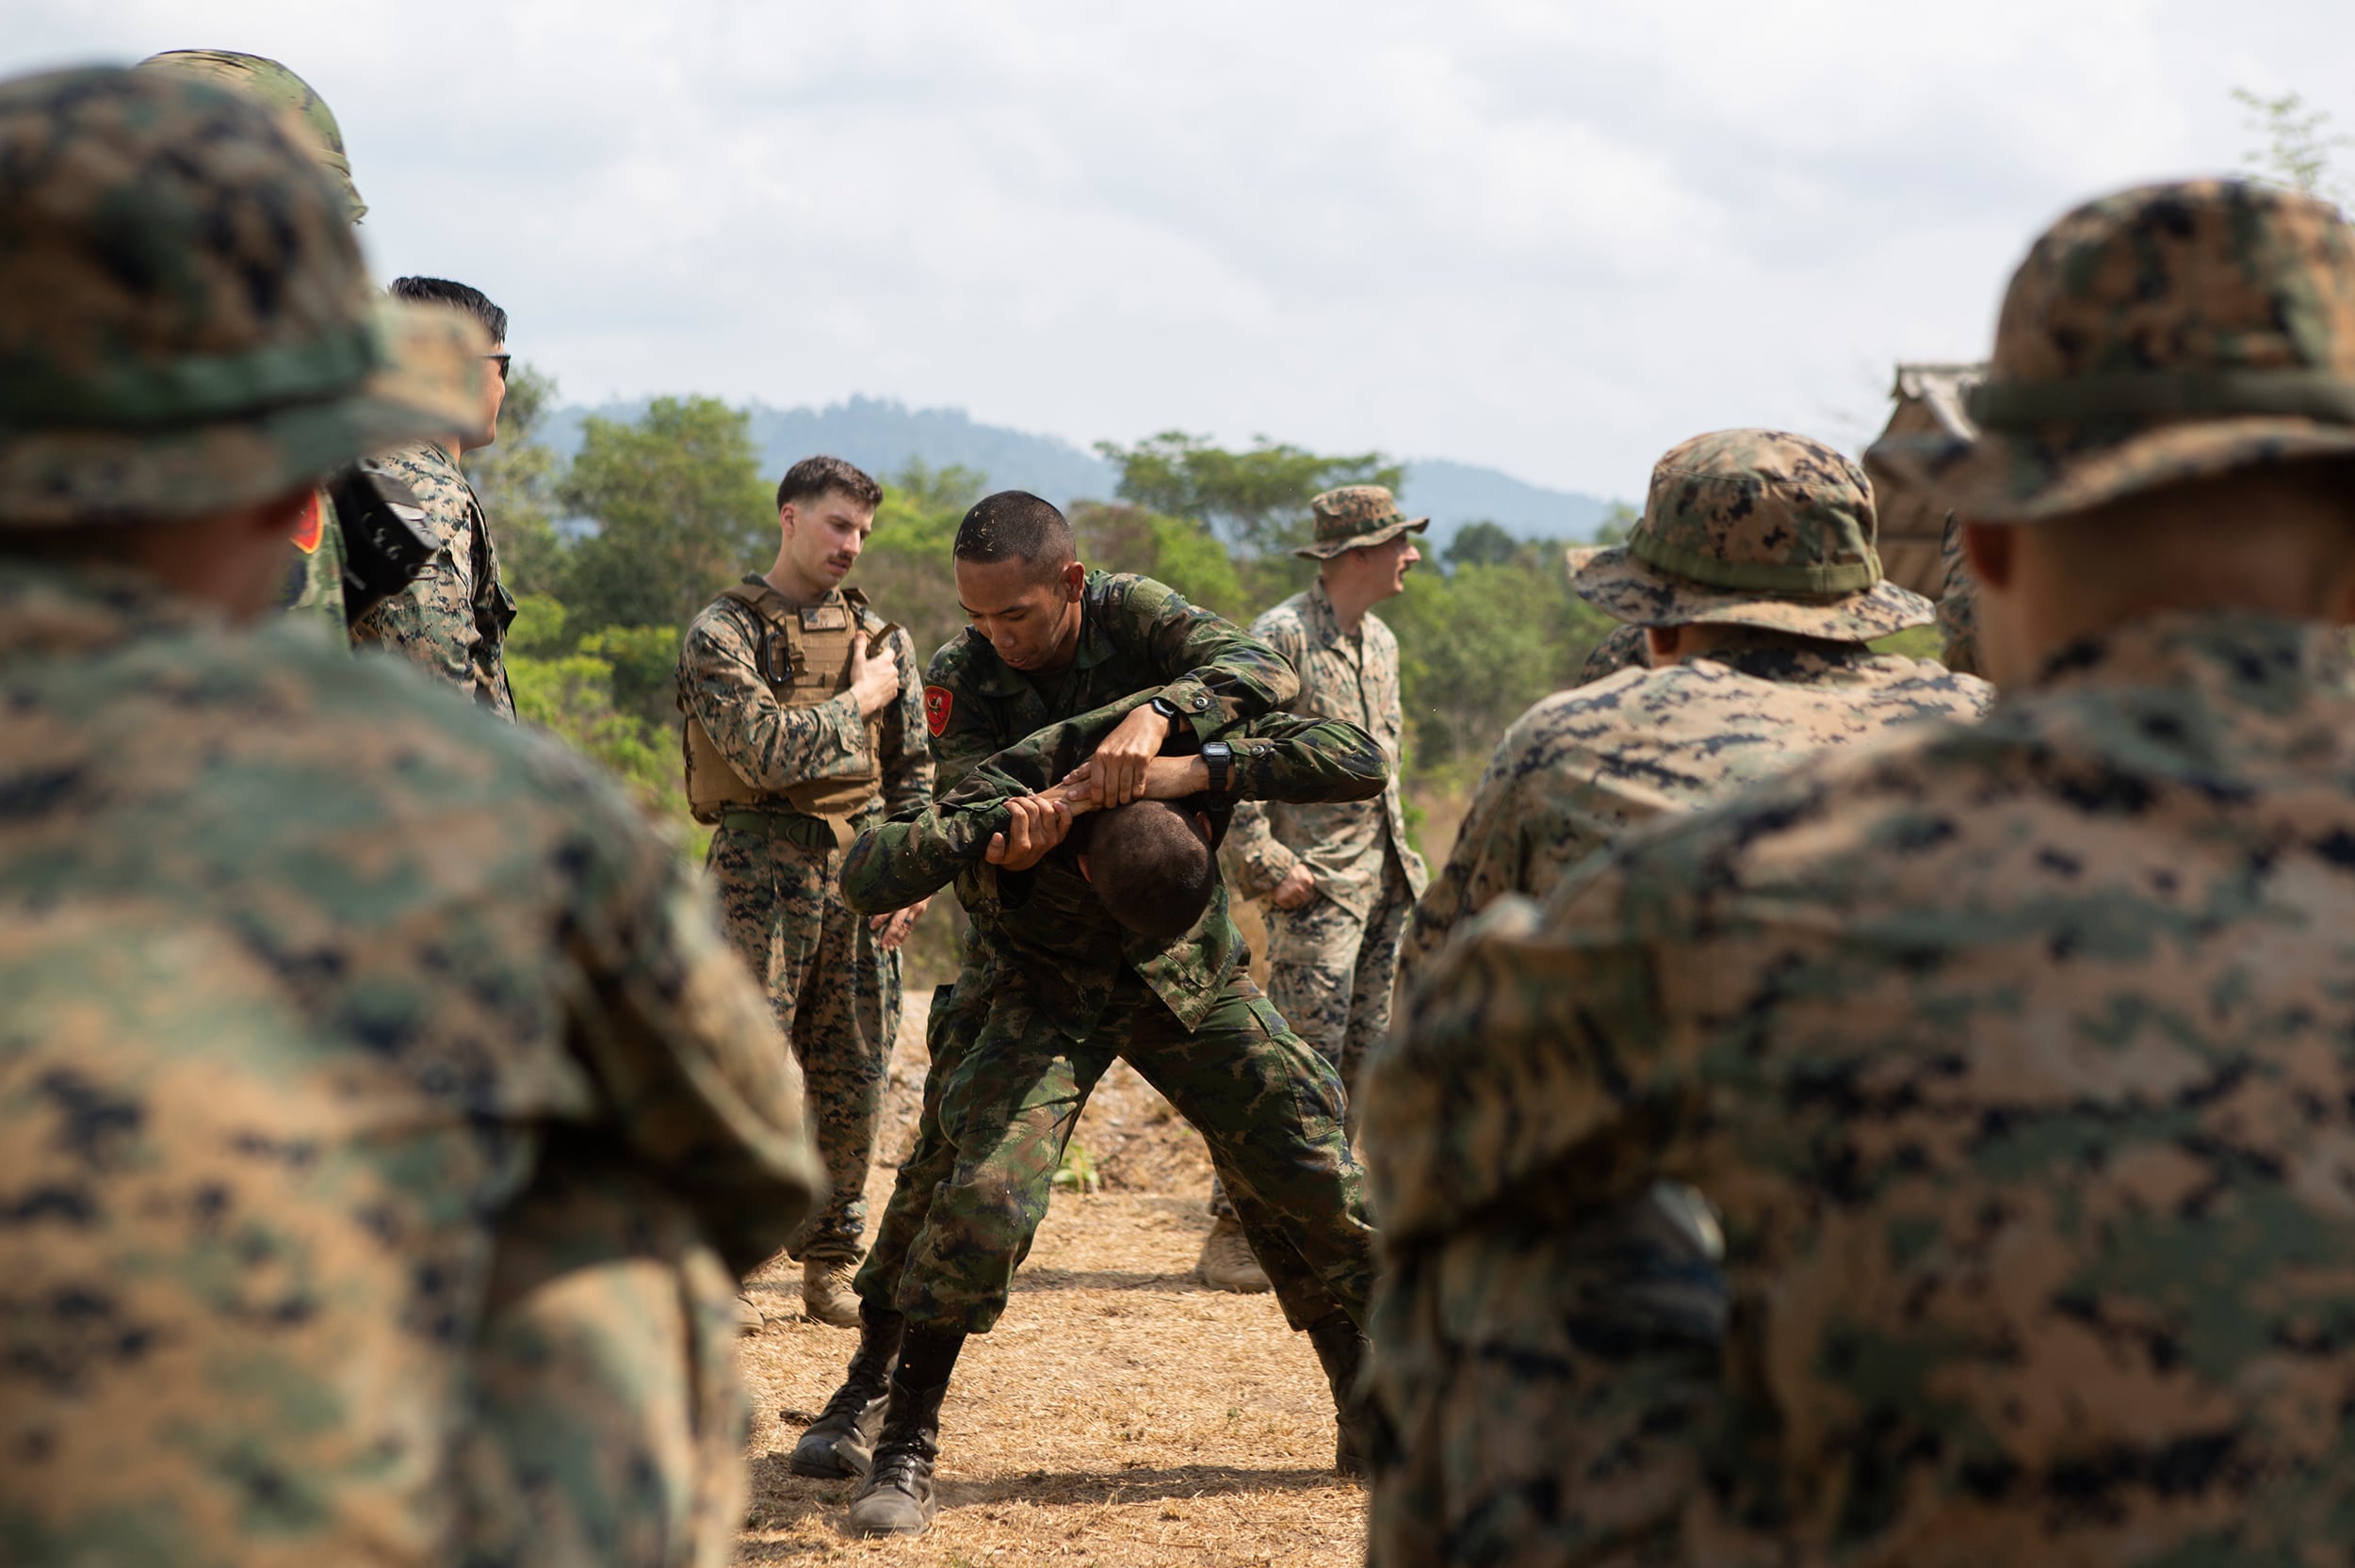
pixel 1226 1263
pixel 826 1293
pixel 841 1442
pixel 1341 1350
pixel 897 1496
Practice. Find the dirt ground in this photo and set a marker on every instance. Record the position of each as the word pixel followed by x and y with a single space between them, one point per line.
pixel 1120 1412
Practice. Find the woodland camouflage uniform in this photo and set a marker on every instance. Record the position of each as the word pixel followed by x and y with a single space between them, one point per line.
pixel 1051 989
pixel 1584 765
pixel 1065 991
pixel 833 987
pixel 1330 962
pixel 452 618
pixel 382 1114
pixel 2014 1054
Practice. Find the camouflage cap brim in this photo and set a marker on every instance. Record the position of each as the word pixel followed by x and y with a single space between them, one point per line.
pixel 1332 547
pixel 428 386
pixel 1641 595
pixel 2029 476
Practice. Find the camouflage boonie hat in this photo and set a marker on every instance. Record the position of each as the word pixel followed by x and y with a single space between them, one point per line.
pixel 185 322
pixel 1752 528
pixel 280 88
pixel 2166 333
pixel 1354 517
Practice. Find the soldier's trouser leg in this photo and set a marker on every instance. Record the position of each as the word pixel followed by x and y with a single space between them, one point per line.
pixel 1006 1109
pixel 1271 1110
pixel 1538 1422
pixel 955 1018
pixel 1376 973
pixel 608 1423
pixel 835 993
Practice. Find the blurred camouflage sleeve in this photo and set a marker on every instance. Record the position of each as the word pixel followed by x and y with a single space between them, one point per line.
pixel 682 1045
pixel 1533 1058
pixel 901 741
pixel 1217 672
pixel 771 747
pixel 429 621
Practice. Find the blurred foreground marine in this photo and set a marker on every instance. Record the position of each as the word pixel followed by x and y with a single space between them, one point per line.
pixel 1753 578
pixel 795 738
pixel 1342 875
pixel 369 1186
pixel 2015 1055
pixel 315 580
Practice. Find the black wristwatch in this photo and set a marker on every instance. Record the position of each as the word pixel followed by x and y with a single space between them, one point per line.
pixel 1167 708
pixel 1219 758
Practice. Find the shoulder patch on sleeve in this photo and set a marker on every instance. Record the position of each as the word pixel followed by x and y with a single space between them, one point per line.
pixel 937 701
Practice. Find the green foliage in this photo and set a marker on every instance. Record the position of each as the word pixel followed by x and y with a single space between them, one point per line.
pixel 1482 544
pixel 516 478
pixel 680 511
pixel 1167 549
pixel 906 570
pixel 1258 499
pixel 2300 150
pixel 1078 1172
pixel 1476 648
pixel 1617 524
pixel 571 695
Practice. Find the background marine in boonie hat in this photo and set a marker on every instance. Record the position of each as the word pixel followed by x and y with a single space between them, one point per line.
pixel 1753 528
pixel 2159 335
pixel 185 325
pixel 1356 516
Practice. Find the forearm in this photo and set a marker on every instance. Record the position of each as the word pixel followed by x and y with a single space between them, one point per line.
pixel 893 864
pixel 1304 760
pixel 1260 860
pixel 1218 673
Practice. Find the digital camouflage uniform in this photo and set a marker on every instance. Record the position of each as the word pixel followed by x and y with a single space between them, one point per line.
pixel 1331 962
pixel 2014 1056
pixel 315 578
pixel 836 991
pixel 1958 604
pixel 1623 647
pixel 1625 1354
pixel 1183 1009
pixel 382 1114
pixel 452 618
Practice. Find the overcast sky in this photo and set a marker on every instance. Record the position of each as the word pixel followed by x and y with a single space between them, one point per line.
pixel 1552 238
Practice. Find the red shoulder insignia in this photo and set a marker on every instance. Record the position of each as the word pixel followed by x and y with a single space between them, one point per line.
pixel 309 524
pixel 937 704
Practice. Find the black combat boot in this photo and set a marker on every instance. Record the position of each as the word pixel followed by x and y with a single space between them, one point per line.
pixel 1341 1350
pixel 838 1444
pixel 897 1498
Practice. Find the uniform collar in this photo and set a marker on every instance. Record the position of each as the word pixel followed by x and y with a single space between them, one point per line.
pixel 1325 622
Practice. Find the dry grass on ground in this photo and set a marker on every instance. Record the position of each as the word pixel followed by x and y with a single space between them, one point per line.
pixel 1120 1413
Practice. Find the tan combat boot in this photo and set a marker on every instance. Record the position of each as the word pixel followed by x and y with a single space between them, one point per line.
pixel 826 1293
pixel 1226 1261
pixel 749 1319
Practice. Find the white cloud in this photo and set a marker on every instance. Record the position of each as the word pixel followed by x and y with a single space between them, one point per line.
pixel 1554 238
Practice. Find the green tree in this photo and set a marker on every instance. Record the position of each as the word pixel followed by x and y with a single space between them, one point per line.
pixel 680 511
pixel 1167 549
pixel 1618 523
pixel 517 478
pixel 1482 544
pixel 1258 499
pixel 1476 648
pixel 2300 150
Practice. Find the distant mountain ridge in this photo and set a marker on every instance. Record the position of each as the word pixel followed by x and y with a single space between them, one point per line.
pixel 881 434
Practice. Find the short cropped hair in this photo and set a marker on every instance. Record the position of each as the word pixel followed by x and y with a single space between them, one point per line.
pixel 811 478
pixel 1014 525
pixel 441 291
pixel 1151 867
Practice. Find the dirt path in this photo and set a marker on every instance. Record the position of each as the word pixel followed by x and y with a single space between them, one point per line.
pixel 1119 1414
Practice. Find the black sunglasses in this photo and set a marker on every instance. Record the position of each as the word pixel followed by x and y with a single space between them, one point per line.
pixel 501 361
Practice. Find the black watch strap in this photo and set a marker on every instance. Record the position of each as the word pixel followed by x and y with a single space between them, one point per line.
pixel 1219 758
pixel 1167 708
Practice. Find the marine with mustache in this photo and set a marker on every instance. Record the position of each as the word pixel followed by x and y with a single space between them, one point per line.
pixel 799 731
